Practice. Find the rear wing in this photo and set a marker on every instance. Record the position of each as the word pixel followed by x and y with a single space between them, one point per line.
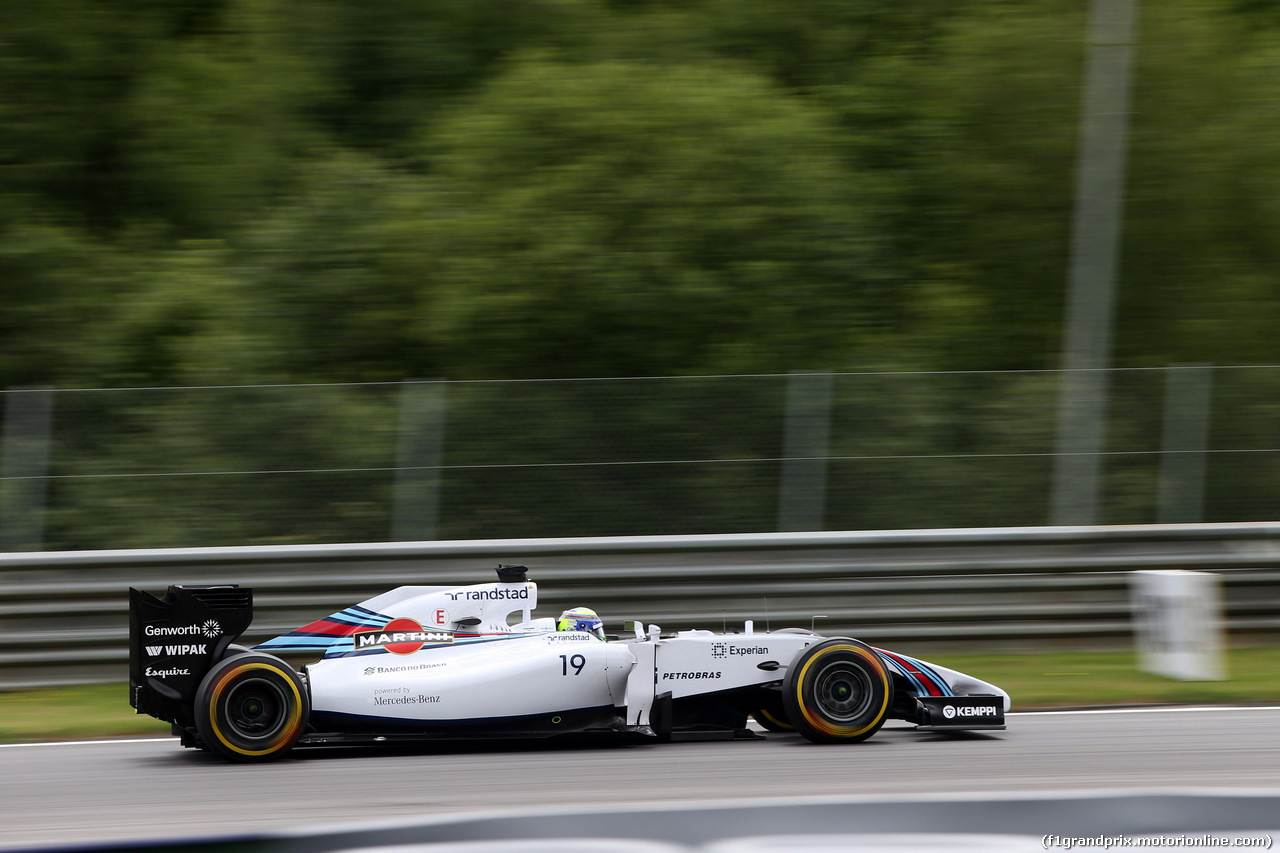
pixel 175 640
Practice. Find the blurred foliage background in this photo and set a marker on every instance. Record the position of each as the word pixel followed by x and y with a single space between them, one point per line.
pixel 239 192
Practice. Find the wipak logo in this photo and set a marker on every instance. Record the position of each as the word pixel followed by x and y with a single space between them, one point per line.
pixel 171 651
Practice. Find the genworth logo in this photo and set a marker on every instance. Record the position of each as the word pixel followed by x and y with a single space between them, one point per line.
pixel 209 629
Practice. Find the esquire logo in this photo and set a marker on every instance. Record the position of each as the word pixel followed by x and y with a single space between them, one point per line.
pixel 951 711
pixel 164 673
pixel 401 637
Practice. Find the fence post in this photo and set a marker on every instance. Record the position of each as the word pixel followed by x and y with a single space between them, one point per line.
pixel 1095 251
pixel 24 466
pixel 1187 394
pixel 421 440
pixel 803 491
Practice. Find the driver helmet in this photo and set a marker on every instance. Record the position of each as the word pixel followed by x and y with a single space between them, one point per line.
pixel 581 619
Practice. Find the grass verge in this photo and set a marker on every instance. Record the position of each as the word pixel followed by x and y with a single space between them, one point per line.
pixel 1048 680
pixel 1079 679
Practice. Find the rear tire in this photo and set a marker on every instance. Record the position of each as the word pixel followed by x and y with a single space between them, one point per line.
pixel 837 691
pixel 771 715
pixel 251 707
pixel 772 720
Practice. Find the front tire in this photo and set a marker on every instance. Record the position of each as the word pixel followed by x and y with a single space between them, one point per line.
pixel 837 691
pixel 251 707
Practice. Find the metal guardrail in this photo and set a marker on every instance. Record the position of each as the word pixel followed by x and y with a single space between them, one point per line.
pixel 63 615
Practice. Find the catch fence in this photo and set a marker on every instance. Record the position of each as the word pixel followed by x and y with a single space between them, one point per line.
pixel 413 461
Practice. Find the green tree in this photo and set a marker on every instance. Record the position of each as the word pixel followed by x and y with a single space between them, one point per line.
pixel 623 218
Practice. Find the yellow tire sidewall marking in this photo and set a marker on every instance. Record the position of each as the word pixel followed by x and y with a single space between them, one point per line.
pixel 828 728
pixel 295 715
pixel 784 723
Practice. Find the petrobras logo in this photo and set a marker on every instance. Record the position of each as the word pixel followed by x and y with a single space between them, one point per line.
pixel 177 650
pixel 400 637
pixel 209 628
pixel 951 711
pixel 151 672
pixel 504 593
pixel 686 676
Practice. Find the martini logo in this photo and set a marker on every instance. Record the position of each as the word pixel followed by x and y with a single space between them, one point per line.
pixel 400 637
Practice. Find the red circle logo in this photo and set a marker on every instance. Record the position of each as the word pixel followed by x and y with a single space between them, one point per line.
pixel 412 641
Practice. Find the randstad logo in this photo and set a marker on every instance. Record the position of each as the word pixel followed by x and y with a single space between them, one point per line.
pixel 499 594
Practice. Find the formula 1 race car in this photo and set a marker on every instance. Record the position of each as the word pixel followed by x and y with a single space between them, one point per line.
pixel 421 663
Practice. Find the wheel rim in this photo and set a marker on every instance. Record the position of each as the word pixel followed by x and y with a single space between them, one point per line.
pixel 842 692
pixel 256 710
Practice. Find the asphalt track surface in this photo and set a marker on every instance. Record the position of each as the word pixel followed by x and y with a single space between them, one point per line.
pixel 152 788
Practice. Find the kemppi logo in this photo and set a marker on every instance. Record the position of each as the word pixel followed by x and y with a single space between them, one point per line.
pixel 951 711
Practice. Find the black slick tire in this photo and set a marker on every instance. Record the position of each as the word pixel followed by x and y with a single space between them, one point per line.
pixel 772 720
pixel 837 691
pixel 771 715
pixel 251 707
